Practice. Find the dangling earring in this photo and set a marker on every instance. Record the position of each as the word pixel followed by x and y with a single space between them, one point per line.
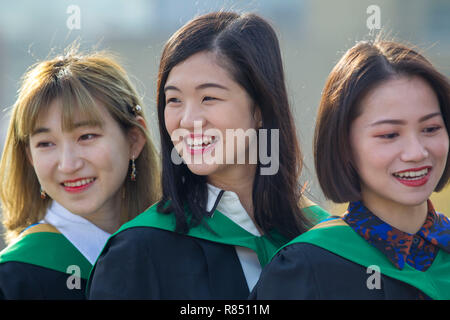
pixel 43 194
pixel 133 170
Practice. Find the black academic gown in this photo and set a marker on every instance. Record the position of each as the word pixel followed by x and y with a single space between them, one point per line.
pixel 151 263
pixel 305 271
pixel 23 281
pixel 38 264
pixel 147 259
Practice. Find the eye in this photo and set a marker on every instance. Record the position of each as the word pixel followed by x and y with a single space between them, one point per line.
pixel 173 100
pixel 388 136
pixel 432 129
pixel 208 98
pixel 44 144
pixel 88 136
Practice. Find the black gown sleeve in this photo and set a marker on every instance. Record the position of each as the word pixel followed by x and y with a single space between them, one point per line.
pixel 124 270
pixel 288 276
pixel 305 271
pixel 22 281
pixel 150 263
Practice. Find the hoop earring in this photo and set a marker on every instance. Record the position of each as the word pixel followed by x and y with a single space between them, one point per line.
pixel 43 194
pixel 133 170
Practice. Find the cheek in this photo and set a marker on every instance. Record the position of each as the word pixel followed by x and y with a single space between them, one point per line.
pixel 111 164
pixel 170 120
pixel 371 158
pixel 440 149
pixel 43 164
pixel 443 146
pixel 112 154
pixel 378 159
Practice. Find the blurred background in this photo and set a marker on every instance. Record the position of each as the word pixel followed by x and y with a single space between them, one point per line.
pixel 313 35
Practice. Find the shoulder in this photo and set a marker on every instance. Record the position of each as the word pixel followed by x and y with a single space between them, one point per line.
pixel 158 245
pixel 443 220
pixel 44 246
pixel 143 236
pixel 306 271
pixel 313 211
pixel 20 280
pixel 150 218
pixel 295 272
pixel 29 240
pixel 304 256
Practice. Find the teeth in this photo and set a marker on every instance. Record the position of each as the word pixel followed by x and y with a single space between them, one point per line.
pixel 412 174
pixel 198 142
pixel 79 183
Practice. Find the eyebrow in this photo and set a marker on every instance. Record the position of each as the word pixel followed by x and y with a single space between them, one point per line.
pixel 402 122
pixel 200 87
pixel 87 123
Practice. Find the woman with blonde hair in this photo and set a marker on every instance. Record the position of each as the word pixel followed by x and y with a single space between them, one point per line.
pixel 77 163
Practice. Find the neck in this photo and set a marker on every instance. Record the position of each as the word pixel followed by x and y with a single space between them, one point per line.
pixel 240 182
pixel 107 218
pixel 405 218
pixel 106 224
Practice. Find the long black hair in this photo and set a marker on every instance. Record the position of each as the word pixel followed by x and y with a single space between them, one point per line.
pixel 248 48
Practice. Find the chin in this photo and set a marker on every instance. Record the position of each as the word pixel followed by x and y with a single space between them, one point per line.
pixel 413 199
pixel 79 210
pixel 203 169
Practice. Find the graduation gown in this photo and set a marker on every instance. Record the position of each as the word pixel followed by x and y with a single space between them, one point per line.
pixel 38 266
pixel 146 259
pixel 331 261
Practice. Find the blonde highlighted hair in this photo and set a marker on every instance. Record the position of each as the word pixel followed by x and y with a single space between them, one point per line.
pixel 78 79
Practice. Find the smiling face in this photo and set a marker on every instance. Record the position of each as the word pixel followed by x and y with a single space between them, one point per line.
pixel 399 142
pixel 82 169
pixel 202 102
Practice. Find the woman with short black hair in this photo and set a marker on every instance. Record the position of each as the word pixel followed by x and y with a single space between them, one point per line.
pixel 381 143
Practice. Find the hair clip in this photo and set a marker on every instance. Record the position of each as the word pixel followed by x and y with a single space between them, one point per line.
pixel 136 109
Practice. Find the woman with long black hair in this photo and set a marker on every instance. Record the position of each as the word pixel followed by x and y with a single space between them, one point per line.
pixel 230 170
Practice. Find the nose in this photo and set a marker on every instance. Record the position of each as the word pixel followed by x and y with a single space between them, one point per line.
pixel 414 150
pixel 69 159
pixel 193 117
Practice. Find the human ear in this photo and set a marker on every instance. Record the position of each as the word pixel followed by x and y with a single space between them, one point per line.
pixel 137 138
pixel 257 116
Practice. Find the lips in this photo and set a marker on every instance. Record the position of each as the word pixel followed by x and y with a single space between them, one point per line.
pixel 78 185
pixel 199 143
pixel 414 177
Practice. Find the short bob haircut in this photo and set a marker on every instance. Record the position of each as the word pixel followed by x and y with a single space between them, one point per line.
pixel 77 79
pixel 362 68
pixel 247 47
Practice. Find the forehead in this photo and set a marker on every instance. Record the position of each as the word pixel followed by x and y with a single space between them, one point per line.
pixel 59 115
pixel 401 97
pixel 200 67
